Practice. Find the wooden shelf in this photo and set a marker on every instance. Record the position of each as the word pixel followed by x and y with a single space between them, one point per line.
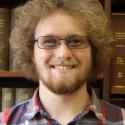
pixel 15 79
pixel 11 74
pixel 118 90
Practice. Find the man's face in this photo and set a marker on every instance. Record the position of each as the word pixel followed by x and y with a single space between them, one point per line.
pixel 62 70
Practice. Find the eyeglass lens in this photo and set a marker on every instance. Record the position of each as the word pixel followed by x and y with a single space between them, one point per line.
pixel 52 42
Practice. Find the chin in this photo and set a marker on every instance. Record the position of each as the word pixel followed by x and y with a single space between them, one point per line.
pixel 64 87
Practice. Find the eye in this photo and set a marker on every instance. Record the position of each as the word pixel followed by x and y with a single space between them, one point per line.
pixel 75 41
pixel 49 42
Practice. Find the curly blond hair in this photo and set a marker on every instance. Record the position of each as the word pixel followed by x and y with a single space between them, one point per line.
pixel 90 11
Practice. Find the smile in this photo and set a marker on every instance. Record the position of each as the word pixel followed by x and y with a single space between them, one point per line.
pixel 63 67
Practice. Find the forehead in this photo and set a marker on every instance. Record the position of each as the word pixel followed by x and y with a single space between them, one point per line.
pixel 60 23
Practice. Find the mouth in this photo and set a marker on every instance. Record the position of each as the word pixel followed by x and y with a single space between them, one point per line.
pixel 63 67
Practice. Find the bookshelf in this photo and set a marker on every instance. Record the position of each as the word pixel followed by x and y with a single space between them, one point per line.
pixel 16 79
pixel 114 76
pixel 14 88
pixel 11 74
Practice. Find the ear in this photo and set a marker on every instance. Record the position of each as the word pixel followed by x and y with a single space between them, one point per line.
pixel 32 56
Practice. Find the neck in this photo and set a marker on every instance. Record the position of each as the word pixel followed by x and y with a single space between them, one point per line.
pixel 64 108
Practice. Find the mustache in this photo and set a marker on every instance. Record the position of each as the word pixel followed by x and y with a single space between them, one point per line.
pixel 64 62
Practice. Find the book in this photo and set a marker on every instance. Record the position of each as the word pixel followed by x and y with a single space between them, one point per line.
pixel 4 37
pixel 12 53
pixel 7 98
pixel 23 94
pixel 117 65
pixel 118 25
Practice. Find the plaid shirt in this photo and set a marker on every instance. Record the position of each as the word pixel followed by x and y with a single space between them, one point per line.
pixel 31 112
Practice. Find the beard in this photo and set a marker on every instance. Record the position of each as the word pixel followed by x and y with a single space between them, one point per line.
pixel 63 87
pixel 66 83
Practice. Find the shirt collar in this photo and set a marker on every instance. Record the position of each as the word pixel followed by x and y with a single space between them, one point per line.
pixel 34 107
pixel 95 105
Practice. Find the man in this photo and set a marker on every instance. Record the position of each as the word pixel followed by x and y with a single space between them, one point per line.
pixel 62 44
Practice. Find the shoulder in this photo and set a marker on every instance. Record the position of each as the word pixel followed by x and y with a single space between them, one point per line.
pixel 15 113
pixel 108 106
pixel 112 112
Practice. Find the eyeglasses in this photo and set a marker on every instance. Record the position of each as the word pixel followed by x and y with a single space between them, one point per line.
pixel 53 42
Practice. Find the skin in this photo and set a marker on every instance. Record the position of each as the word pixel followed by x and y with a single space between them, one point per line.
pixel 62 71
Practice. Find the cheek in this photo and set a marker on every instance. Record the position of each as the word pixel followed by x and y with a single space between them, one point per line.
pixel 41 56
pixel 85 57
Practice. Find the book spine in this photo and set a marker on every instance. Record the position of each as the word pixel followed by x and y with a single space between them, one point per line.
pixel 4 37
pixel 117 75
pixel 23 94
pixel 12 54
pixel 118 24
pixel 7 98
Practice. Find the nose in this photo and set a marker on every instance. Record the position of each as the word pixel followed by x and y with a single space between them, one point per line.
pixel 63 51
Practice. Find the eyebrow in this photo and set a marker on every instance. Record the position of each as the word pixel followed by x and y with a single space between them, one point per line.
pixel 62 37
